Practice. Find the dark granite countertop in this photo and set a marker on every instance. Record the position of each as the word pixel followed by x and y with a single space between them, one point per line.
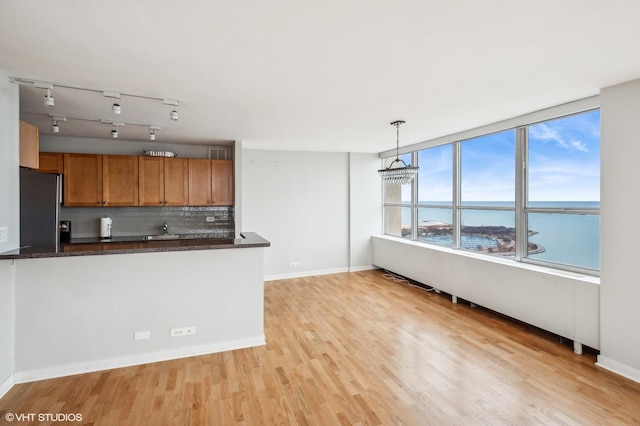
pixel 121 245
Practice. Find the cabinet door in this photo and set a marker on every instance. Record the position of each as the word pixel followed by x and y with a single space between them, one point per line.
pixel 151 184
pixel 222 182
pixel 82 180
pixel 176 181
pixel 199 182
pixel 29 145
pixel 51 162
pixel 120 180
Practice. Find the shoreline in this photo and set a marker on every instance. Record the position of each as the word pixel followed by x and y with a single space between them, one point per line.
pixel 496 240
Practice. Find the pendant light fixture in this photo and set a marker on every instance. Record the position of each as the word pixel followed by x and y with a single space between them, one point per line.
pixel 398 173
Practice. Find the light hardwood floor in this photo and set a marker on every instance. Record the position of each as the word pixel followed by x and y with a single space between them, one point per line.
pixel 355 348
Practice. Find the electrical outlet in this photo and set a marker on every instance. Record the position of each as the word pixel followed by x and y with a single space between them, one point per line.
pixel 294 265
pixel 3 234
pixel 211 218
pixel 185 331
pixel 142 335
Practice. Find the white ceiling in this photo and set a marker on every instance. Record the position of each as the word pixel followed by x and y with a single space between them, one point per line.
pixel 324 75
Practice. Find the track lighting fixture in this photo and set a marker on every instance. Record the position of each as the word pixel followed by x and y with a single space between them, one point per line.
pixel 48 99
pixel 115 103
pixel 152 131
pixel 174 113
pixel 55 128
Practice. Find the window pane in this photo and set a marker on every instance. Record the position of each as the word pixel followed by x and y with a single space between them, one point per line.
pixel 564 160
pixel 397 193
pixel 488 231
pixel 570 239
pixel 434 226
pixel 435 176
pixel 397 221
pixel 488 169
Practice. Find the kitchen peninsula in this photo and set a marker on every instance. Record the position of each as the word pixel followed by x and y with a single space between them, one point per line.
pixel 107 305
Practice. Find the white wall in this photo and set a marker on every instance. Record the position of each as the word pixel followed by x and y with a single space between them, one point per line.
pixel 49 143
pixel 9 218
pixel 620 204
pixel 299 201
pixel 7 326
pixel 365 212
pixel 76 314
pixel 9 162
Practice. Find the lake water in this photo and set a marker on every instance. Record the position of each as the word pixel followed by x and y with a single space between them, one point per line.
pixel 571 239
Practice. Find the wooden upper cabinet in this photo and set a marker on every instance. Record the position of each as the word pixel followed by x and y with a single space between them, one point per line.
pixel 82 180
pixel 176 181
pixel 199 182
pixel 51 162
pixel 29 145
pixel 151 183
pixel 120 180
pixel 163 181
pixel 222 182
pixel 100 180
pixel 210 182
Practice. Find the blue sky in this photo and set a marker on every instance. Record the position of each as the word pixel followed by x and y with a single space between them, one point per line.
pixel 564 159
pixel 564 164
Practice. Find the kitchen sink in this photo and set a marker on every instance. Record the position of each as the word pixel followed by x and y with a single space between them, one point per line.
pixel 162 237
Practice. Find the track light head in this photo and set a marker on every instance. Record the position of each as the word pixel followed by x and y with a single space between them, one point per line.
pixel 152 135
pixel 48 99
pixel 114 133
pixel 54 123
pixel 174 115
pixel 116 108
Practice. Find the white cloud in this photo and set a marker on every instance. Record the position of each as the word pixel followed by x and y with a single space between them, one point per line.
pixel 546 133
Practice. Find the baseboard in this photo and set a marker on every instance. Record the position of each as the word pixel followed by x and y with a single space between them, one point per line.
pixel 6 385
pixel 128 361
pixel 362 268
pixel 618 368
pixel 305 274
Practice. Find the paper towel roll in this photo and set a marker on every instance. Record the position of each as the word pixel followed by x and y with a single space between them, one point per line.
pixel 105 227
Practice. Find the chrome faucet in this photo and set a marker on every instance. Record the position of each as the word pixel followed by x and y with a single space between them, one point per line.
pixel 165 229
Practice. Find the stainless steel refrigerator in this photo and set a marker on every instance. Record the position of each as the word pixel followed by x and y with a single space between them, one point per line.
pixel 39 208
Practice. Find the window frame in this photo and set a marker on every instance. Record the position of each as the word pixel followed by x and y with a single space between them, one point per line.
pixel 521 206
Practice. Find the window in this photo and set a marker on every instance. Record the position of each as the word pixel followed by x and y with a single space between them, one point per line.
pixel 398 200
pixel 530 193
pixel 435 195
pixel 563 190
pixel 487 194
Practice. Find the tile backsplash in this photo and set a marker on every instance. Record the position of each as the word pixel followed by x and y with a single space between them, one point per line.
pixel 133 221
